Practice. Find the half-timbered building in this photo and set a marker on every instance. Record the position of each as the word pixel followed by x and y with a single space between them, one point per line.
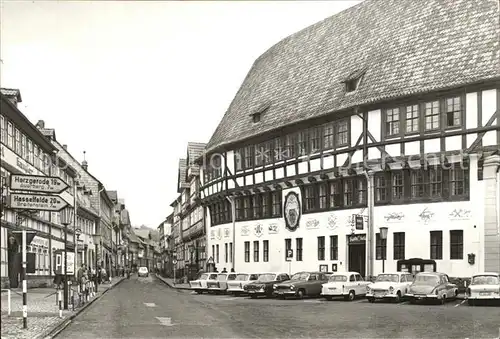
pixel 388 110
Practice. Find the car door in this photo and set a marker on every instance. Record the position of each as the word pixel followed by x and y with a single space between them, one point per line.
pixel 312 284
pixel 352 284
pixel 450 288
pixel 360 285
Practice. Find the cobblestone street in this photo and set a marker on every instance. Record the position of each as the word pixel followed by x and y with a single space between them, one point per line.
pixel 43 313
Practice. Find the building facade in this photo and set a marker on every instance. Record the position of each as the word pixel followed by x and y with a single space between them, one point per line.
pixel 25 150
pixel 407 141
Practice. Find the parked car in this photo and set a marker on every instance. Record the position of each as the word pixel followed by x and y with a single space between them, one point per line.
pixel 264 285
pixel 432 286
pixel 143 272
pixel 344 284
pixel 300 285
pixel 200 285
pixel 220 285
pixel 483 286
pixel 237 286
pixel 392 286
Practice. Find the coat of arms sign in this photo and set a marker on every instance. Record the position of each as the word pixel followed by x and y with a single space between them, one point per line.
pixel 292 211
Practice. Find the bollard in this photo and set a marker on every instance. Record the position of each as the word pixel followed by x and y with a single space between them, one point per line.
pixel 60 303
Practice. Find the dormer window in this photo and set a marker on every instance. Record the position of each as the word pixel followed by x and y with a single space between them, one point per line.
pixel 256 116
pixel 351 85
pixel 353 80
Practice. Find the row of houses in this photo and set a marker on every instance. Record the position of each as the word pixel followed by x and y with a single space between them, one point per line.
pixel 354 146
pixel 101 232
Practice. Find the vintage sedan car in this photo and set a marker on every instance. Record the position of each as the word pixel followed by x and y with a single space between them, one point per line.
pixel 220 285
pixel 389 286
pixel 432 286
pixel 301 284
pixel 344 284
pixel 143 272
pixel 483 286
pixel 264 285
pixel 237 285
pixel 200 285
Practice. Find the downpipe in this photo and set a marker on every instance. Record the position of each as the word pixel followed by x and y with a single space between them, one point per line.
pixel 371 231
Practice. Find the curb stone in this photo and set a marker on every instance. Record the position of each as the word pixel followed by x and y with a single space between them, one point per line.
pixel 173 286
pixel 54 332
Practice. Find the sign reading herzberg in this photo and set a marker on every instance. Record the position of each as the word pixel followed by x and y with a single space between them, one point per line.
pixel 37 183
pixel 36 202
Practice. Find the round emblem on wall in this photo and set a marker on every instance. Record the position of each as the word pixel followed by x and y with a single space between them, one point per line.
pixel 292 211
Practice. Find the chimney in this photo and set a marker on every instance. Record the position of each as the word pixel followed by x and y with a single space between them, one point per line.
pixel 40 124
pixel 65 147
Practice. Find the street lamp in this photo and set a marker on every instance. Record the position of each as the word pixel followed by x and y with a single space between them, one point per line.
pixel 383 236
pixel 97 240
pixel 66 218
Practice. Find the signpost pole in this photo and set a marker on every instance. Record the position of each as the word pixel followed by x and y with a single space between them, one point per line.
pixel 25 284
pixel 66 266
pixel 175 266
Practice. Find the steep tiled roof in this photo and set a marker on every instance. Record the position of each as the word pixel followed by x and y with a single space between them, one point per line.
pixel 195 150
pixel 141 233
pixel 404 47
pixel 113 195
pixel 182 175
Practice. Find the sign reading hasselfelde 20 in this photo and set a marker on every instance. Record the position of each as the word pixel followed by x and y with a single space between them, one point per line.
pixel 292 211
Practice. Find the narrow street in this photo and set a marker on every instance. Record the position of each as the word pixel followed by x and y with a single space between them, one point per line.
pixel 147 308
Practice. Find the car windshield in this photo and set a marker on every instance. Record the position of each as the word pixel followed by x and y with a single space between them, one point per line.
pixel 242 277
pixel 430 280
pixel 337 278
pixel 485 280
pixel 267 277
pixel 231 277
pixel 213 276
pixel 204 276
pixel 143 269
pixel 300 276
pixel 387 277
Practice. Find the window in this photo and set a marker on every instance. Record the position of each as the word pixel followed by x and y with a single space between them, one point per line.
pixel 238 209
pixel 417 184
pixel 30 151
pixel 230 252
pixel 213 251
pixel 360 191
pixel 276 200
pixel 289 146
pixel 380 187
pixel 238 159
pixel 328 136
pixel 10 135
pixel 259 155
pixel 314 140
pixel 302 143
pixel 264 205
pixel 248 157
pixel 298 245
pixel 399 246
pixel 278 149
pixel 17 147
pixel 256 117
pixel 322 195
pixel 380 247
pixel 24 147
pixel 397 185
pixel 265 250
pixel 342 129
pixel 412 123
pixel 351 85
pixel 453 112
pixel 225 252
pixel 392 122
pixel 436 245
pixel 335 194
pixel 456 244
pixel 217 253
pixel 247 251
pixel 256 206
pixel 256 251
pixel 267 154
pixel 247 208
pixel 310 198
pixel 348 190
pixel 321 248
pixel 334 247
pixel 435 182
pixel 3 132
pixel 288 245
pixel 459 178
pixel 432 115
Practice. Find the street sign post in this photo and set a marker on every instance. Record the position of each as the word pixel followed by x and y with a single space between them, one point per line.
pixel 39 202
pixel 37 183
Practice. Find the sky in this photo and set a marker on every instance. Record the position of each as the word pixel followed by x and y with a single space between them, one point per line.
pixel 131 83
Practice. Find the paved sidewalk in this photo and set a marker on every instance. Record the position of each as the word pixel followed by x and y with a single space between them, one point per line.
pixel 170 282
pixel 43 313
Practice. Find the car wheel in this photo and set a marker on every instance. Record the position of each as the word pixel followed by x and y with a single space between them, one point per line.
pixel 372 300
pixel 300 294
pixel 398 297
pixel 329 298
pixel 351 296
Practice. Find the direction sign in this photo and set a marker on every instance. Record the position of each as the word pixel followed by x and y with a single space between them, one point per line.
pixel 38 202
pixel 37 183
